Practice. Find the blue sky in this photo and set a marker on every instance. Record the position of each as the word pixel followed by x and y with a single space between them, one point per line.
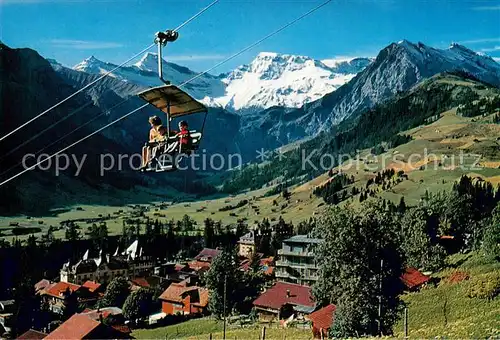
pixel 113 30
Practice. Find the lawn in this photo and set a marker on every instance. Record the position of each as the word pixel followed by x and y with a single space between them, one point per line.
pixel 186 329
pixel 202 328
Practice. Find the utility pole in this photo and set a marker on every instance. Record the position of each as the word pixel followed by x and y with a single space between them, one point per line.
pixel 224 309
pixel 380 298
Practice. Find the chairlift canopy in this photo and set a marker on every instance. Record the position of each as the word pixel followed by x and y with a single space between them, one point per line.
pixel 180 103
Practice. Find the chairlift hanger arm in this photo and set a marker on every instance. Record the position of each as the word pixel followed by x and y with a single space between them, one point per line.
pixel 161 39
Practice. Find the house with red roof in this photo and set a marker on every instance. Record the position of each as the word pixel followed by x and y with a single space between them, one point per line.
pixel 322 320
pixel 93 287
pixel 414 279
pixel 266 265
pixel 184 299
pixel 31 335
pixel 80 326
pixel 56 294
pixel 207 255
pixel 283 300
pixel 43 285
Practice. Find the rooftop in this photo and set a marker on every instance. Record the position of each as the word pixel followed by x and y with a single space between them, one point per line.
pixel 303 239
pixel 32 334
pixel 78 326
pixel 175 292
pixel 248 238
pixel 60 287
pixel 207 254
pixel 141 282
pixel 285 293
pixel 323 318
pixel 413 278
pixel 42 285
pixel 91 285
pixel 105 312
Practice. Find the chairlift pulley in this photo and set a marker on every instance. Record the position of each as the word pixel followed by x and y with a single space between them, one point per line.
pixel 163 38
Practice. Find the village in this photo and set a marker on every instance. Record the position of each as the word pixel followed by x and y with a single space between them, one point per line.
pixel 75 304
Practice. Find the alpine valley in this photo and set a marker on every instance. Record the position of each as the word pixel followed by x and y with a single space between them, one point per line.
pixel 274 101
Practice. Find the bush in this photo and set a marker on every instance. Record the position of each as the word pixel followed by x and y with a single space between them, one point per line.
pixel 485 286
pixel 25 230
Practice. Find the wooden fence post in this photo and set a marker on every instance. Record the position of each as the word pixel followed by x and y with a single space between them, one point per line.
pixel 406 322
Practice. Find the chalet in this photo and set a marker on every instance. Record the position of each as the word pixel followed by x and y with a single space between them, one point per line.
pixel 80 326
pixel 247 244
pixel 284 300
pixel 56 295
pixel 203 260
pixel 322 320
pixel 176 272
pixel 184 299
pixel 414 279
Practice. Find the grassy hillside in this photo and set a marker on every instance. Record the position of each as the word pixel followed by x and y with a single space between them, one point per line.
pixel 380 128
pixel 447 311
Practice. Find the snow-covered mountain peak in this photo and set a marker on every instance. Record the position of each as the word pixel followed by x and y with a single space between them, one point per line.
pixel 145 73
pixel 149 62
pixel 90 65
pixel 273 65
pixel 273 79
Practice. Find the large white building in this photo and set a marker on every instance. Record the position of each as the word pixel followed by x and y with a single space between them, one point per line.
pixel 104 268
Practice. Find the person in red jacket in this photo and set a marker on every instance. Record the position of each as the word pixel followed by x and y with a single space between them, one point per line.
pixel 184 137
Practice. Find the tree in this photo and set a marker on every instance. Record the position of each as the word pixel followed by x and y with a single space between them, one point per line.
pixel 419 239
pixel 401 206
pixel 70 303
pixel 98 233
pixel 72 233
pixel 27 308
pixel 241 228
pixel 139 304
pixel 253 282
pixel 187 224
pixel 116 293
pixel 491 238
pixel 286 194
pixel 224 272
pixel 360 262
pixel 208 233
